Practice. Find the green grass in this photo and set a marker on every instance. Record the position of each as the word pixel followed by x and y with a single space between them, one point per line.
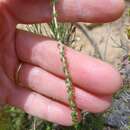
pixel 14 119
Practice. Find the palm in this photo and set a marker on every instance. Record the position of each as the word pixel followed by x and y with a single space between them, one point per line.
pixel 41 75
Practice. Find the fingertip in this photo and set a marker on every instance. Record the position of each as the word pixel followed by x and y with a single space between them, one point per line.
pixel 116 80
pixel 101 78
pixel 107 104
pixel 104 11
pixel 92 102
pixel 111 80
pixel 117 9
pixel 104 107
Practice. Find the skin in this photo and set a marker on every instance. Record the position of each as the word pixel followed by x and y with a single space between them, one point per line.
pixel 42 91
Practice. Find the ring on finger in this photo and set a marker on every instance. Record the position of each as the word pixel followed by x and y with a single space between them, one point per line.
pixel 17 73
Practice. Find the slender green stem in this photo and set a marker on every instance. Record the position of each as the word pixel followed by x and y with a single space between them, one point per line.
pixel 68 79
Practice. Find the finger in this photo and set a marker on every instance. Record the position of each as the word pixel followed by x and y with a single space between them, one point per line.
pixel 68 10
pixel 88 73
pixel 33 103
pixel 49 85
pixel 40 106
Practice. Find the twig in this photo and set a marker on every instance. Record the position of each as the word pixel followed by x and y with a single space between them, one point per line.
pixel 68 80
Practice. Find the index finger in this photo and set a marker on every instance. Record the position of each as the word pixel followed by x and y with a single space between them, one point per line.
pixel 68 10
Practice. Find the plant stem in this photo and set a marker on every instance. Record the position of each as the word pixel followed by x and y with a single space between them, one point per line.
pixel 68 79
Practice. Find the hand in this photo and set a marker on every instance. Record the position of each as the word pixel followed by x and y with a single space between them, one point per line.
pixel 42 91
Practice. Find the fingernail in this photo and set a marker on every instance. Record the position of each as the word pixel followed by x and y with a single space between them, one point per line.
pixel 114 2
pixel 119 5
pixel 117 2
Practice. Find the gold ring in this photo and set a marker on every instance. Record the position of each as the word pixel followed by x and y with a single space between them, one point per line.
pixel 17 73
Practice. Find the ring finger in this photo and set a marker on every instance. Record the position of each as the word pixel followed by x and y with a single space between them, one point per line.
pixel 53 87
